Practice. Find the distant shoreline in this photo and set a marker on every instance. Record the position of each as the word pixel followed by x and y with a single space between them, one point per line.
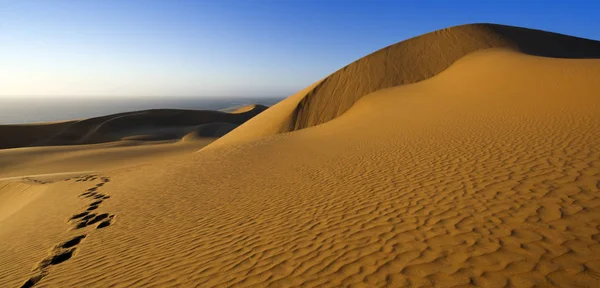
pixel 36 111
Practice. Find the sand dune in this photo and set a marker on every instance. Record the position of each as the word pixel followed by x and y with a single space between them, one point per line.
pixel 27 134
pixel 485 173
pixel 421 58
pixel 148 125
pixel 411 61
pixel 120 140
pixel 240 109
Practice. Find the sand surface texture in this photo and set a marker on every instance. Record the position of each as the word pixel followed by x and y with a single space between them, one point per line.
pixel 486 174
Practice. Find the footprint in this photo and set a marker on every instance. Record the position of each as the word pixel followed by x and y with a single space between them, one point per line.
pixel 84 221
pixel 96 203
pixel 97 218
pixel 59 255
pixel 57 258
pixel 105 223
pixel 74 241
pixel 82 214
pixel 62 257
pixel 88 217
pixel 91 219
pixel 33 280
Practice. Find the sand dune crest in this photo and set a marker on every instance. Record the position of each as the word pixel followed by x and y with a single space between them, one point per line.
pixel 406 62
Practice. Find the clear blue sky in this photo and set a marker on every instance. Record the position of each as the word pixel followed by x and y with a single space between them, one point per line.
pixel 229 48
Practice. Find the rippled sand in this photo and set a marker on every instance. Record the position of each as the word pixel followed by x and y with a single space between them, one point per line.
pixel 486 174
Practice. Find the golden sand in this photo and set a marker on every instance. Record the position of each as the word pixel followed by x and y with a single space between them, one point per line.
pixel 486 174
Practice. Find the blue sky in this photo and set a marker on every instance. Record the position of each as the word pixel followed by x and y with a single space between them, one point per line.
pixel 228 48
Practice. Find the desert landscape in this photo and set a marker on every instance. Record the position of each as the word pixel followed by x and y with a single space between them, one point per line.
pixel 465 157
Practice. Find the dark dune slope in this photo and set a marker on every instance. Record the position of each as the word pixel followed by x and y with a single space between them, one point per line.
pixel 158 124
pixel 17 135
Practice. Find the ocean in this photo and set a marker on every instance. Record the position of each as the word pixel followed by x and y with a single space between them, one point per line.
pixel 32 110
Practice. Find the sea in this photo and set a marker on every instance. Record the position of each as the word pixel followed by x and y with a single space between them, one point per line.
pixel 25 110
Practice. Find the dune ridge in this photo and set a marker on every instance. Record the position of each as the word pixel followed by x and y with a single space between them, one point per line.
pixel 423 57
pixel 407 62
pixel 155 124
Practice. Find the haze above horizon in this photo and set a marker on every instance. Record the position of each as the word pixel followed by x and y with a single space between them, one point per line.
pixel 222 48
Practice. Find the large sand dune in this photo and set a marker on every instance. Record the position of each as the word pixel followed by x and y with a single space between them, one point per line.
pixel 410 61
pixel 484 174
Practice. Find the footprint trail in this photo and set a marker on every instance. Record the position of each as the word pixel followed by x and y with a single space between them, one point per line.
pixel 66 250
